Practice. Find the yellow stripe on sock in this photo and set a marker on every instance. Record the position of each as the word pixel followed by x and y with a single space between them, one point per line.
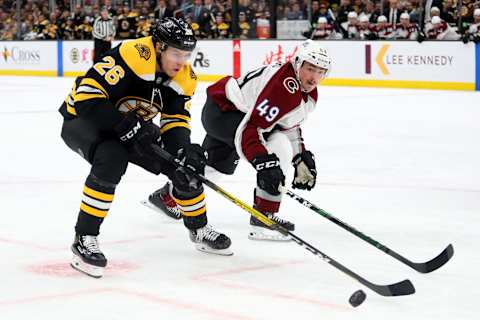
pixel 93 211
pixel 189 202
pixel 97 194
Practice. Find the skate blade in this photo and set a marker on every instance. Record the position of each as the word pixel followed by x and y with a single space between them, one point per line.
pixel 262 234
pixel 150 205
pixel 88 269
pixel 221 252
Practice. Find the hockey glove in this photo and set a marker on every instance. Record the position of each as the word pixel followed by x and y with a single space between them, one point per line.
pixel 192 158
pixel 137 135
pixel 305 171
pixel 269 173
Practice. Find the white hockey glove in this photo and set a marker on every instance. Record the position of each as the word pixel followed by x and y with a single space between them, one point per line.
pixel 305 171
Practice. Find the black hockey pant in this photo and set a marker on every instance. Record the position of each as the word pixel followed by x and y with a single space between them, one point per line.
pixel 219 141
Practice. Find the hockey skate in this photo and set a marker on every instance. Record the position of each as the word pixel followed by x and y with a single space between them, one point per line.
pixel 161 201
pixel 210 241
pixel 87 257
pixel 260 231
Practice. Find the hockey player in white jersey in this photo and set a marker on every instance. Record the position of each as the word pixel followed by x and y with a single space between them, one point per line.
pixel 257 118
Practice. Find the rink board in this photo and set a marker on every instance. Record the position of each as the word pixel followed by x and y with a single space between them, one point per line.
pixel 394 64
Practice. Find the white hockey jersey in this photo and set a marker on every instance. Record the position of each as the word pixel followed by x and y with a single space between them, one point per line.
pixel 272 99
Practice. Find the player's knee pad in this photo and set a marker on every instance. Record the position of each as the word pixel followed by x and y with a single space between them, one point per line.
pixel 279 144
pixel 221 156
pixel 110 161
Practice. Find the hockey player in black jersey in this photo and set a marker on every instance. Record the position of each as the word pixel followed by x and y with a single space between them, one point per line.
pixel 108 121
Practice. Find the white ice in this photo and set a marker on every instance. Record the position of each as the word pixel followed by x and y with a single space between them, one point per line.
pixel 400 165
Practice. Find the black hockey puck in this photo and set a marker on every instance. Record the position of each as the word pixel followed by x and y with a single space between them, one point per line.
pixel 357 298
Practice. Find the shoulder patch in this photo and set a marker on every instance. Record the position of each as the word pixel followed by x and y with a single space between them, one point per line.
pixel 143 51
pixel 139 56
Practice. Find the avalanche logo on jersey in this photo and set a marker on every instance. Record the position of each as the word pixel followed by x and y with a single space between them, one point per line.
pixel 291 84
pixel 143 51
pixel 139 105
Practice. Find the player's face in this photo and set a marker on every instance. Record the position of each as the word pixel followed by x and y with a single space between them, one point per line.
pixel 310 75
pixel 172 60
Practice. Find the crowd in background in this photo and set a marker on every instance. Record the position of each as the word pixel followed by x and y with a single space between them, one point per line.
pixel 212 19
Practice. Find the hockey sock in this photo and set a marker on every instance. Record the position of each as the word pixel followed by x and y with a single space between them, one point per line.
pixel 96 201
pixel 193 208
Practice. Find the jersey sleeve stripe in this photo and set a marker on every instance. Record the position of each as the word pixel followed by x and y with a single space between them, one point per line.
pixel 174 125
pixel 94 84
pixel 175 116
pixel 87 96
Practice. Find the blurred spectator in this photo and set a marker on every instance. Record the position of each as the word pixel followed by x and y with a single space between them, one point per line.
pixel 440 30
pixel 162 11
pixel 295 13
pixel 383 29
pixel 315 12
pixel 324 12
pixel 40 21
pixel 343 10
pixel 211 7
pixel 324 30
pixel 393 12
pixel 143 27
pixel 405 29
pixel 247 30
pixel 473 32
pixel 126 21
pixel 370 12
pixel 220 29
pixel 366 30
pixel 449 13
pixel 350 27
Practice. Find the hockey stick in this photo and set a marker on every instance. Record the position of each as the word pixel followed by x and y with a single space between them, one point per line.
pixel 424 267
pixel 401 288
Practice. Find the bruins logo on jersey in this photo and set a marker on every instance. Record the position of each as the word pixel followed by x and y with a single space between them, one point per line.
pixel 139 105
pixel 143 51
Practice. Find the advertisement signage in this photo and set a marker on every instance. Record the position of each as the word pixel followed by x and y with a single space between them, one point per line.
pixel 25 57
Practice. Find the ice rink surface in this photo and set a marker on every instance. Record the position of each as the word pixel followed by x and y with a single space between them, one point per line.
pixel 400 165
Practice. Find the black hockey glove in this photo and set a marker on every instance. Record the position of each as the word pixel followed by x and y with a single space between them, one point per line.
pixel 269 173
pixel 305 171
pixel 420 37
pixel 137 134
pixel 192 158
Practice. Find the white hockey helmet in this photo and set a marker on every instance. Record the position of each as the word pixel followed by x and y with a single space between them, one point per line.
pixel 382 19
pixel 476 12
pixel 436 20
pixel 314 53
pixel 322 20
pixel 405 15
pixel 363 18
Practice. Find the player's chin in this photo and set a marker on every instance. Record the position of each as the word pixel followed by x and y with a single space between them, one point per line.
pixel 309 87
pixel 172 72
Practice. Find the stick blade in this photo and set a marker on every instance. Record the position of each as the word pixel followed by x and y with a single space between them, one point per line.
pixel 436 262
pixel 402 288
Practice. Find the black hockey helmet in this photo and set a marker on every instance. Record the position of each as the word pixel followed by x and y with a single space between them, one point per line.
pixel 174 32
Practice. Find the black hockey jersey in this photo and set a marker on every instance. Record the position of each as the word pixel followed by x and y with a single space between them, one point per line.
pixel 126 81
